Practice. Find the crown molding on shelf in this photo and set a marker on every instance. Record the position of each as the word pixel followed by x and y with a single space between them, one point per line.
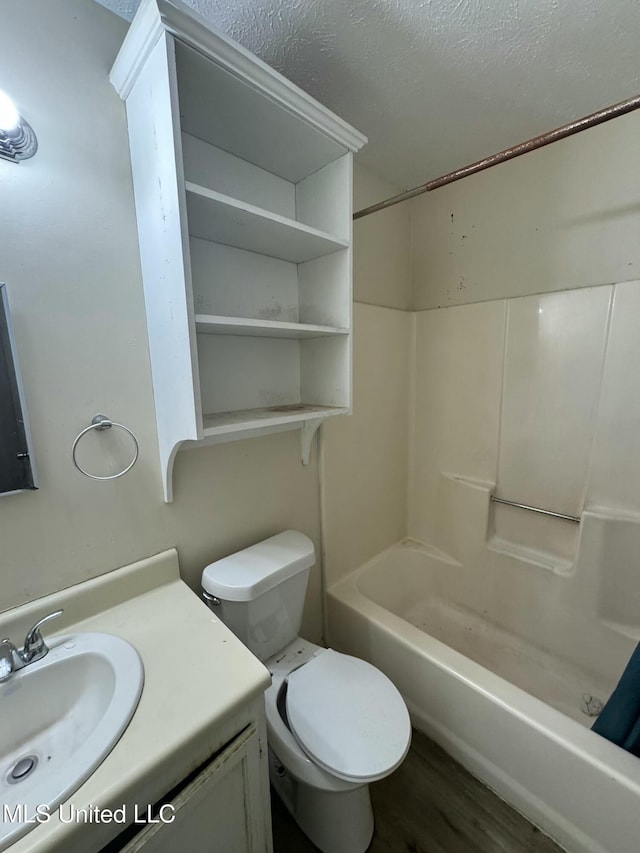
pixel 155 17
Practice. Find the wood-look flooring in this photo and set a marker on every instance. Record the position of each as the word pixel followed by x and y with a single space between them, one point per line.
pixel 431 804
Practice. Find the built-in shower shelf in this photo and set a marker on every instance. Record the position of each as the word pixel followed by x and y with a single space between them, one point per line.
pixel 542 559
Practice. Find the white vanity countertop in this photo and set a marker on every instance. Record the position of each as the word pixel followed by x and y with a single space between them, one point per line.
pixel 200 683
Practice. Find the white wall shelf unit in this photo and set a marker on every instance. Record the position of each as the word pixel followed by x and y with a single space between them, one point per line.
pixel 243 191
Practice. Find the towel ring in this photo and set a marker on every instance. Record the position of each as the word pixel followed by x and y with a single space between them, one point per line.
pixel 102 422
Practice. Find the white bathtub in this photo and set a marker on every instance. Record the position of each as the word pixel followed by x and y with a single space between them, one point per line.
pixel 577 787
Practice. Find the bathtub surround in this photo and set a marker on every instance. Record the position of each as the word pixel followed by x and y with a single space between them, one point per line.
pixel 465 425
pixel 531 420
pixel 531 396
pixel 534 396
pixel 458 362
pixel 553 359
pixel 532 226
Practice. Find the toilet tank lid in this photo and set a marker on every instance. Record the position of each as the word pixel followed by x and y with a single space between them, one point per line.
pixel 245 575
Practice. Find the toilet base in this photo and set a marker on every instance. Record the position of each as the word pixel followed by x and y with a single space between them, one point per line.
pixel 336 822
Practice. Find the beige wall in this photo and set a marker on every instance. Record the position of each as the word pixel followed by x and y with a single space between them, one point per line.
pixel 565 216
pixel 364 458
pixel 69 255
pixel 381 245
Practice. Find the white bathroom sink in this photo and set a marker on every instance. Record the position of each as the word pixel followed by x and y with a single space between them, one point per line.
pixel 59 718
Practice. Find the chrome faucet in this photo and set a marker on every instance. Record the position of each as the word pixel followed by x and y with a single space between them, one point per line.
pixel 33 649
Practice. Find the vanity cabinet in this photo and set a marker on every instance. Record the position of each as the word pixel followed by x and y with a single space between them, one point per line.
pixel 221 809
pixel 243 193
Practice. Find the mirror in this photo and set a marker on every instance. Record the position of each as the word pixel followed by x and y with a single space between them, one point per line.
pixel 17 472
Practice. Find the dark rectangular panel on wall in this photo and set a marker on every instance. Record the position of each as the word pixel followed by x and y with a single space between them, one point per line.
pixel 16 471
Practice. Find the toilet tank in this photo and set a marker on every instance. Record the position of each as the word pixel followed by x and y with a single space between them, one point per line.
pixel 261 591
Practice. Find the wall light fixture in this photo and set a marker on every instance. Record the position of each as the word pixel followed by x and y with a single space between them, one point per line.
pixel 17 139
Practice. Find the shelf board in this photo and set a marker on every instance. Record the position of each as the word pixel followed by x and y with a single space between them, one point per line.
pixel 222 219
pixel 213 324
pixel 230 422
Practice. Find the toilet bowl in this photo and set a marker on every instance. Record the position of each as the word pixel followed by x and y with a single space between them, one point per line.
pixel 335 723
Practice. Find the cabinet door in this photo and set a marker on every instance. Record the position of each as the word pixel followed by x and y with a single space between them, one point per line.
pixel 220 811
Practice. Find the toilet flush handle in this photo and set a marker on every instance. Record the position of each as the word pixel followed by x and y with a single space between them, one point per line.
pixel 211 600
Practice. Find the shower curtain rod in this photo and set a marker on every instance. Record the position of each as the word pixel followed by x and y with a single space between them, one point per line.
pixel 508 154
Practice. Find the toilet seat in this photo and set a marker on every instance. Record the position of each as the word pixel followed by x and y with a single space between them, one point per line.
pixel 348 717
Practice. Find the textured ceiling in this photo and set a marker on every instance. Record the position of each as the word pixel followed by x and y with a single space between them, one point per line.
pixel 436 84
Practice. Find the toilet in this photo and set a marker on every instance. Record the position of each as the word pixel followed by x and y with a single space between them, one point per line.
pixel 335 723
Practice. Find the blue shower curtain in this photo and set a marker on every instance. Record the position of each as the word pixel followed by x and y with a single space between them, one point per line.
pixel 619 720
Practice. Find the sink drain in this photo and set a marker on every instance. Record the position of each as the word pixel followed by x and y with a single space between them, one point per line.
pixel 22 769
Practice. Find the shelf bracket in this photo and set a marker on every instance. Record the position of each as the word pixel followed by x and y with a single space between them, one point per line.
pixel 308 430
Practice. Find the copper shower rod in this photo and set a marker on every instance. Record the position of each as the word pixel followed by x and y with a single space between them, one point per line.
pixel 508 154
